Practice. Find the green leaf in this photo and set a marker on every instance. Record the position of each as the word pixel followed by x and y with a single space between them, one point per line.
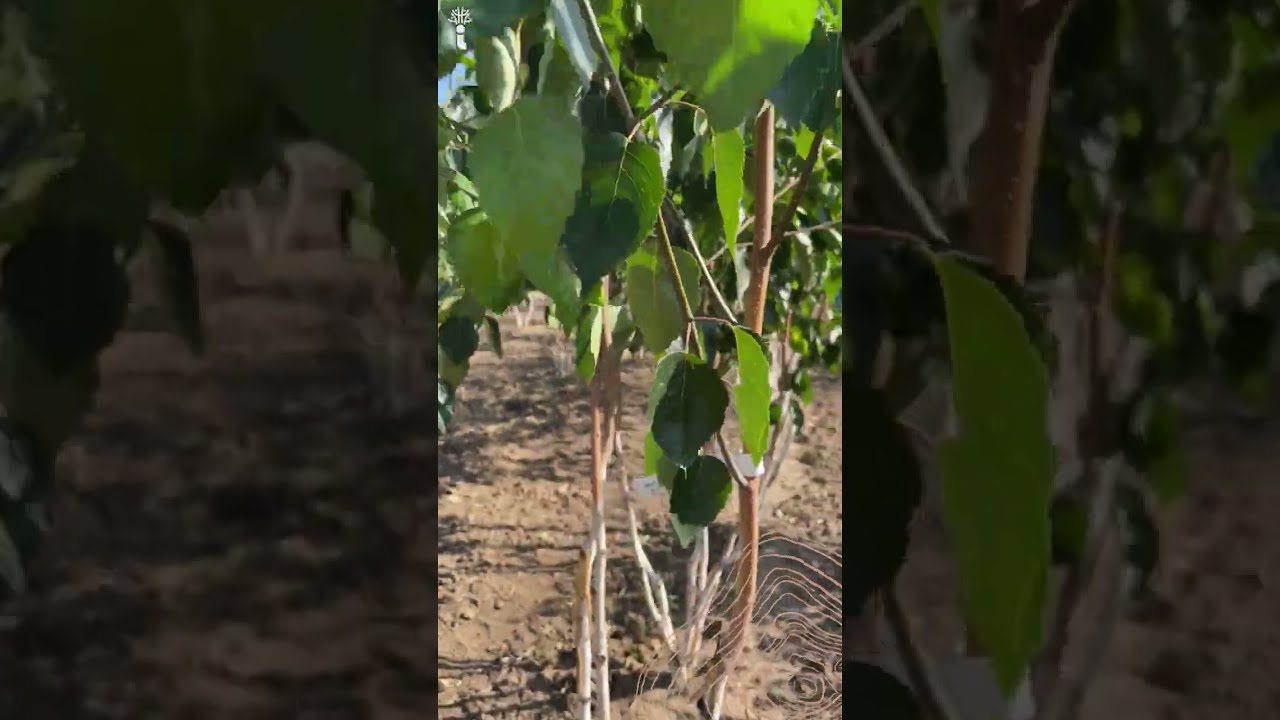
pixel 617 207
pixel 527 167
pixel 571 28
pixel 700 491
pixel 752 393
pixel 685 532
pixel 171 87
pixel 347 77
pixel 1250 124
pixel 1167 464
pixel 483 262
pixel 23 186
pixel 729 52
pixel 590 330
pixel 932 17
pixel 804 140
pixel 459 338
pixel 612 28
pixel 450 371
pixel 884 490
pixel 657 464
pixel 497 70
pixel 561 82
pixel 1069 524
pixel 65 293
pixel 178 285
pixel 652 297
pixel 555 278
pixel 730 157
pixel 12 570
pixel 495 334
pixel 661 376
pixel 50 405
pixel 878 688
pixel 998 473
pixel 97 192
pixel 807 92
pixel 690 411
pixel 444 406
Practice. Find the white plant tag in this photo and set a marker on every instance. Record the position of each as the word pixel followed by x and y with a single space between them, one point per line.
pixel 649 487
pixel 743 462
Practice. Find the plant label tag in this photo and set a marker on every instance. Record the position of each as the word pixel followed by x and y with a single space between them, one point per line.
pixel 742 461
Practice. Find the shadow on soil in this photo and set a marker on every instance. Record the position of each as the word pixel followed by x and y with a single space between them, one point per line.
pixel 240 535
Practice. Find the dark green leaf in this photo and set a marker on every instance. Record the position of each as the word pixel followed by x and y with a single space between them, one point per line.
pixel 652 296
pixel 49 405
pixel 178 282
pixel 1070 523
pixel 657 464
pixel 587 339
pixel 346 75
pixel 699 492
pixel 885 488
pixel 444 406
pixel 65 293
pixel 882 695
pixel 690 411
pixel 495 334
pixel 171 87
pixel 459 338
pixel 806 95
pixel 621 191
pixel 1142 536
pixel 661 378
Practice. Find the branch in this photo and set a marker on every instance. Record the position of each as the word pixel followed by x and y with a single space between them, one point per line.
pixel 815 149
pixel 746 223
pixel 729 462
pixel 937 704
pixel 615 83
pixel 1095 421
pixel 655 590
pixel 875 133
pixel 887 234
pixel 603 419
pixel 744 600
pixel 1042 18
pixel 657 104
pixel 1067 695
pixel 887 26
pixel 686 309
pixel 721 304
pixel 820 226
pixel 1024 42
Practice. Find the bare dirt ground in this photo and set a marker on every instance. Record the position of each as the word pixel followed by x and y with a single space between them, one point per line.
pixel 242 536
pixel 514 512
